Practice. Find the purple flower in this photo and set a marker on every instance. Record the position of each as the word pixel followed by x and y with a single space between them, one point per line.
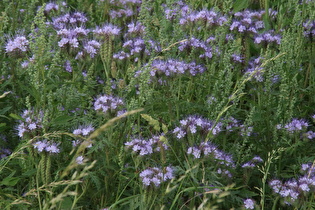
pixel 267 38
pixel 249 204
pixel 253 162
pixel 40 145
pixel 247 22
pixel 32 122
pixel 108 103
pixel 155 176
pixel 52 148
pixel 209 150
pixel 68 66
pixel 309 28
pixel 296 125
pixel 79 160
pixel 107 30
pixel 146 147
pixel 254 71
pixel 49 147
pixel 17 46
pixel 141 146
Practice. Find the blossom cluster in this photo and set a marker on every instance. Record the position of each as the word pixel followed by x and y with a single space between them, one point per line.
pixel 136 48
pixel 155 176
pixel 125 8
pixel 294 189
pixel 67 20
pixel 73 35
pixel 17 46
pixel 254 69
pixel 178 8
pixel 107 30
pixel 84 131
pixel 108 103
pixel 267 38
pixel 202 47
pixel 135 29
pixel 253 162
pixel 172 67
pixel 145 147
pixel 296 125
pixel 203 19
pixel 309 29
pixel 192 124
pixel 44 145
pixel 247 22
pixel 249 204
pixel 31 122
pixel 207 149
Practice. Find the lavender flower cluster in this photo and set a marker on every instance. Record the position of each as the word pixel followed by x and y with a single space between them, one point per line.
pixel 247 22
pixel 309 29
pixel 17 46
pixel 84 131
pixel 174 67
pixel 203 19
pixel 135 29
pixel 249 204
pixel 44 145
pixel 137 48
pixel 145 147
pixel 268 38
pixel 294 189
pixel 125 8
pixel 68 20
pixel 74 36
pixel 254 69
pixel 31 122
pixel 296 125
pixel 253 162
pixel 177 9
pixel 207 149
pixel 107 30
pixel 155 176
pixel 202 47
pixel 194 124
pixel 108 103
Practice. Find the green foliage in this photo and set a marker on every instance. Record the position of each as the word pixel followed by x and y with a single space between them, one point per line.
pixel 242 111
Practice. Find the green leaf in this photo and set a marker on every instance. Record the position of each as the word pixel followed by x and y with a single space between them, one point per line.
pixel 10 181
pixel 240 5
pixel 66 203
pixel 60 120
pixel 4 110
pixel 15 116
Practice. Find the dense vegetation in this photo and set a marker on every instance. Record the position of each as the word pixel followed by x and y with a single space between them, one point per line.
pixel 130 104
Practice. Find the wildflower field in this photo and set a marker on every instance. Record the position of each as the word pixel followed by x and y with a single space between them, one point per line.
pixel 143 104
